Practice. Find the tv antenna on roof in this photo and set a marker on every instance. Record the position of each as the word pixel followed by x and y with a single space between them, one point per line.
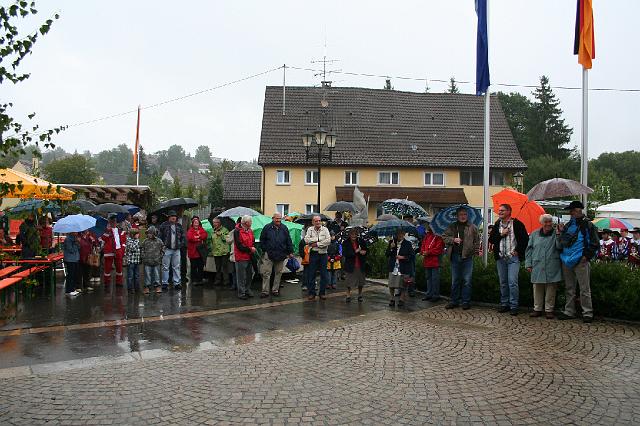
pixel 325 83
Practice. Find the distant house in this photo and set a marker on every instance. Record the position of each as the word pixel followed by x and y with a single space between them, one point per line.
pixel 28 167
pixel 185 178
pixel 391 144
pixel 242 188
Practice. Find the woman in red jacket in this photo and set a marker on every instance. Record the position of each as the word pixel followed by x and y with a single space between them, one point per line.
pixel 432 249
pixel 196 236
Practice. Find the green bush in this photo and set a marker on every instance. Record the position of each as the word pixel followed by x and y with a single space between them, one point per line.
pixel 615 288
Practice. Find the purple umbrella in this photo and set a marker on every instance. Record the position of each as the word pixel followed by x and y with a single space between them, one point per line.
pixel 557 187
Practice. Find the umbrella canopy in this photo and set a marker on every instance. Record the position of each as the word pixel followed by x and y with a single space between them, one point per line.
pixel 391 227
pixel 557 187
pixel 100 226
pixel 612 223
pixel 175 203
pixel 401 208
pixel 362 231
pixel 386 216
pixel 446 217
pixel 239 211
pixel 36 206
pixel 85 206
pixel 132 209
pixel 110 208
pixel 341 206
pixel 74 223
pixel 27 186
pixel 307 218
pixel 295 229
pixel 526 211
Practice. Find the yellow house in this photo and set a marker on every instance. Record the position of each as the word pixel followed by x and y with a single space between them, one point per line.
pixel 423 146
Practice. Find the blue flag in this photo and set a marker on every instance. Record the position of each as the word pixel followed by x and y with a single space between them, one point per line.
pixel 482 49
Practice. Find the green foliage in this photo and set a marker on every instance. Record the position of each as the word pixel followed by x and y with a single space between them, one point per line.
pixel 190 191
pixel 547 167
pixel 76 169
pixel 215 191
pixel 203 154
pixel 453 87
pixel 176 188
pixel 118 160
pixel 15 45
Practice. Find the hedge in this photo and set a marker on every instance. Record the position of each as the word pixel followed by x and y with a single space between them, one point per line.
pixel 615 287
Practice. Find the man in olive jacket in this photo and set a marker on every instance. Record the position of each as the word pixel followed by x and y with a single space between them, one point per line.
pixel 508 239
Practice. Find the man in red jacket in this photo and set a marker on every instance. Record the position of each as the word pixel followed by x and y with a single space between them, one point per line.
pixel 113 243
pixel 432 249
pixel 243 250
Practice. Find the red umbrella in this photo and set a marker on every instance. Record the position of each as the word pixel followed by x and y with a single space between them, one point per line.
pixel 526 211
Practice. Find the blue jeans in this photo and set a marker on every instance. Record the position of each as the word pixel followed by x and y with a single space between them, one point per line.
pixel 461 272
pixel 171 259
pixel 317 262
pixel 151 275
pixel 133 276
pixel 333 276
pixel 508 270
pixel 433 282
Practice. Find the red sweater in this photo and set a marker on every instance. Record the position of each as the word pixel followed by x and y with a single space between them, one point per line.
pixel 243 241
pixel 432 247
pixel 195 237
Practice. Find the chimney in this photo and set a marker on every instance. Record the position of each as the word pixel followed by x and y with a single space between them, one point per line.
pixel 35 165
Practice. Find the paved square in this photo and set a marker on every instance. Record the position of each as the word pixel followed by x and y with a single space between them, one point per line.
pixel 431 366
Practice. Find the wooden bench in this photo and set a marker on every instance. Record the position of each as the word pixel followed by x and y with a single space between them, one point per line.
pixel 8 282
pixel 7 271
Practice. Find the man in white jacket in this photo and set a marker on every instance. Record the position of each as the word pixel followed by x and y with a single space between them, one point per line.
pixel 318 238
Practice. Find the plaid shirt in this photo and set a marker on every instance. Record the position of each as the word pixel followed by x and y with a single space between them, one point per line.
pixel 132 253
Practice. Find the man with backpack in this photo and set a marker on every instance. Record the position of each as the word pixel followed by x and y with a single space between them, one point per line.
pixel 580 244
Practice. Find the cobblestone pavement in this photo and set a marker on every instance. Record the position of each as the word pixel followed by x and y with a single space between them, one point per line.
pixel 431 366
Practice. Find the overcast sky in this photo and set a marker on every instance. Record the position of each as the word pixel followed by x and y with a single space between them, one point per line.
pixel 103 58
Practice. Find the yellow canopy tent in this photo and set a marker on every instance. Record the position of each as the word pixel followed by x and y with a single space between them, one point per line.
pixel 23 185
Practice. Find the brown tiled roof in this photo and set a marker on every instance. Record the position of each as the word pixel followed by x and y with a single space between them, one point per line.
pixel 386 128
pixel 242 185
pixel 435 196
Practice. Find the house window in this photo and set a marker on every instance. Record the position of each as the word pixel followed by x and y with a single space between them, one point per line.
pixel 388 178
pixel 311 208
pixel 283 209
pixel 311 177
pixel 282 177
pixel 351 178
pixel 471 177
pixel 497 178
pixel 434 179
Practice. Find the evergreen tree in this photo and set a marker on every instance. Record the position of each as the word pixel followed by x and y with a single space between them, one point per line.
pixel 453 87
pixel 215 191
pixel 548 134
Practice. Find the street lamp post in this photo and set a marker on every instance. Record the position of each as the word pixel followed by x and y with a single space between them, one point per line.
pixel 518 180
pixel 319 138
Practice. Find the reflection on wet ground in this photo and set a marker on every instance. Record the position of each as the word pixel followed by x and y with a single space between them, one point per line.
pixel 107 324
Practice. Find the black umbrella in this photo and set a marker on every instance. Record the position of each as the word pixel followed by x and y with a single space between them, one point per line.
pixel 341 206
pixel 175 203
pixel 307 218
pixel 84 205
pixel 361 231
pixel 110 208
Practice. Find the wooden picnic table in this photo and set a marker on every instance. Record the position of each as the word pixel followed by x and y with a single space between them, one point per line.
pixel 5 272
pixel 11 249
pixel 47 262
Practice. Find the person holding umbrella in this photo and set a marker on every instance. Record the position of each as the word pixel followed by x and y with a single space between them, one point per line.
pixel 462 240
pixel 580 244
pixel 71 252
pixel 399 254
pixel 509 241
pixel 172 235
pixel 113 243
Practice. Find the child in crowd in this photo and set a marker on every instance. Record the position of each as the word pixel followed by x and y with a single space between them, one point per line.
pixel 334 254
pixel 71 251
pixel 132 255
pixel 152 250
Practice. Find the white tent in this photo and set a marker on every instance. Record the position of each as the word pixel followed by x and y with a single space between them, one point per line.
pixel 627 209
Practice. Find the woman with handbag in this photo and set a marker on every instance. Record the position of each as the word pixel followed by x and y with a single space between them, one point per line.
pixel 399 254
pixel 89 258
pixel 197 250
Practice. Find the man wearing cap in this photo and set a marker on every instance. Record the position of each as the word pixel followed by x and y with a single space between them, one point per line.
pixel 172 236
pixel 634 249
pixel 580 244
pixel 608 247
pixel 113 243
pixel 624 243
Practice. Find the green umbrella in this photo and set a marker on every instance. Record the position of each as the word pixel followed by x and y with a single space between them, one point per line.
pixel 258 222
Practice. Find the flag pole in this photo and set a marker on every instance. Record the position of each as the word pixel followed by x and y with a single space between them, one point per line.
pixel 136 159
pixel 584 172
pixel 485 179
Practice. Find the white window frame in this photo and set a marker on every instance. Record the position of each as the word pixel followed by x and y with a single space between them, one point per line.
pixel 437 172
pixel 307 210
pixel 391 172
pixel 350 173
pixel 288 174
pixel 492 175
pixel 306 175
pixel 286 207
pixel 472 171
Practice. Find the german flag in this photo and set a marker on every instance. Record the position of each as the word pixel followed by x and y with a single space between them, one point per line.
pixel 584 44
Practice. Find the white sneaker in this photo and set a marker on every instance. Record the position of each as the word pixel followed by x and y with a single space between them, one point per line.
pixel 72 294
pixel 78 290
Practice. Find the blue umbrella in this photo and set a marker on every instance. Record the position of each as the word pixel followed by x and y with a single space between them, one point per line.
pixel 391 227
pixel 100 226
pixel 74 223
pixel 33 205
pixel 446 217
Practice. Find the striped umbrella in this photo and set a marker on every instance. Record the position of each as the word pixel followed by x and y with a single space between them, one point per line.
pixel 612 223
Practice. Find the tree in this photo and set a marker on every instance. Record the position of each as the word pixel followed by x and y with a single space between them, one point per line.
pixel 546 167
pixel 203 154
pixel 143 162
pixel 215 191
pixel 176 188
pixel 15 45
pixel 453 87
pixel 548 133
pixel 73 169
pixel 518 110
pixel 190 191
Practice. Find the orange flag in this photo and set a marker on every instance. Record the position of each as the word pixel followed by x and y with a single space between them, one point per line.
pixel 584 43
pixel 137 147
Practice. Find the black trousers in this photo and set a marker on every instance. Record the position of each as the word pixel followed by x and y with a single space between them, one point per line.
pixel 183 264
pixel 71 282
pixel 197 266
pixel 85 275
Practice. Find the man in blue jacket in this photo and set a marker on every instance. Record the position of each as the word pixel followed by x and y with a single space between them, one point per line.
pixel 580 244
pixel 276 246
